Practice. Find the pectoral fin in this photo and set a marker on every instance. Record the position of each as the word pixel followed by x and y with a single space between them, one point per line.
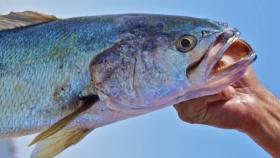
pixel 58 142
pixel 86 103
pixel 22 19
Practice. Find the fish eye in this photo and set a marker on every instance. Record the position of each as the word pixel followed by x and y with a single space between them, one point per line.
pixel 186 43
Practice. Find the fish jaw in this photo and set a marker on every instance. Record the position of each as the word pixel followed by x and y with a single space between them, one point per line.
pixel 230 62
pixel 225 62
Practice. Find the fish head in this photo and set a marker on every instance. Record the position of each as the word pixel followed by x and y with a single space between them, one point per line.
pixel 163 60
pixel 209 54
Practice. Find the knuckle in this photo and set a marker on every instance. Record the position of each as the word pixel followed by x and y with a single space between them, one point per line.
pixel 193 115
pixel 191 120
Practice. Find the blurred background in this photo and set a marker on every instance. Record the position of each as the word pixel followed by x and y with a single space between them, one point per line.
pixel 161 133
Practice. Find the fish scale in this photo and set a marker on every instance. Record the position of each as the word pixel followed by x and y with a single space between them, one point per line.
pixel 35 65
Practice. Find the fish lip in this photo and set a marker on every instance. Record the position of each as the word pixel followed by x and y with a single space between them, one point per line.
pixel 227 38
pixel 224 39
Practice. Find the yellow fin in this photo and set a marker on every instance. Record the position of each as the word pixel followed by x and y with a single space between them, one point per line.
pixel 21 19
pixel 58 142
pixel 86 102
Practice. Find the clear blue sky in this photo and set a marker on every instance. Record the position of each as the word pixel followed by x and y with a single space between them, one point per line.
pixel 162 134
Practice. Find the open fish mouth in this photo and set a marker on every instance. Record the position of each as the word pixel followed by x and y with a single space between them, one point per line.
pixel 228 58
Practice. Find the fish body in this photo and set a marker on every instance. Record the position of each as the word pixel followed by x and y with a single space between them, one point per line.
pixel 133 63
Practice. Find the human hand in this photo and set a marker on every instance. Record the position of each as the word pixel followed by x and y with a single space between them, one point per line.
pixel 229 109
pixel 245 105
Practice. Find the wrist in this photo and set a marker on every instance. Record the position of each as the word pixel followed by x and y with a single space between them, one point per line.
pixel 264 127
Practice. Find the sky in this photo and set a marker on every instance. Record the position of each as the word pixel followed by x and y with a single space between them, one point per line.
pixel 161 133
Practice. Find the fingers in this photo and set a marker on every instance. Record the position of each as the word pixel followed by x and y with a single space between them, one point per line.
pixel 197 110
pixel 192 113
pixel 224 110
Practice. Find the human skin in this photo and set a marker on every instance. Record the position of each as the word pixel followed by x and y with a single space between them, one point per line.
pixel 246 106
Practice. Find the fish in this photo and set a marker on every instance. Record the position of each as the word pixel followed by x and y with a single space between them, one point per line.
pixel 63 78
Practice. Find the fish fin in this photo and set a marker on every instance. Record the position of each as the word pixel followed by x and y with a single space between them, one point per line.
pixel 58 142
pixel 86 102
pixel 21 19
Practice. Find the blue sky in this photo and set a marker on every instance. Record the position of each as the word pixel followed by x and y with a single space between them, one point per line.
pixel 161 133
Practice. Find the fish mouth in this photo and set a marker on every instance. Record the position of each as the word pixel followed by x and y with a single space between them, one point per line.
pixel 228 59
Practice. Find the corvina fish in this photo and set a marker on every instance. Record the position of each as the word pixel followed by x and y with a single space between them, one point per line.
pixel 66 77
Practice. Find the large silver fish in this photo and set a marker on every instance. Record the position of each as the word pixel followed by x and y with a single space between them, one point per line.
pixel 66 77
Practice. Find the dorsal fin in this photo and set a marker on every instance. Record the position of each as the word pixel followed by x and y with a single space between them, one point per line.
pixel 22 19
